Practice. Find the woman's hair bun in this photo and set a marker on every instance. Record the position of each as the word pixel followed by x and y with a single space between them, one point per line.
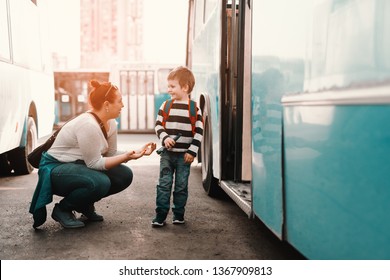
pixel 95 83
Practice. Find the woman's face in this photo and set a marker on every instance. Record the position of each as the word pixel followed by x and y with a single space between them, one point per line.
pixel 114 108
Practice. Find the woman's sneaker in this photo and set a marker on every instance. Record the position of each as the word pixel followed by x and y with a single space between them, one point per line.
pixel 90 214
pixel 66 218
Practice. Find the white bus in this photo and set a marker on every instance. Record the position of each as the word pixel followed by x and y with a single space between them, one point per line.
pixel 26 82
pixel 144 88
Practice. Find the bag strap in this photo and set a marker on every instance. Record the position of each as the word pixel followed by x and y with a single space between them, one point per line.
pixel 100 124
pixel 192 114
pixel 55 133
pixel 165 112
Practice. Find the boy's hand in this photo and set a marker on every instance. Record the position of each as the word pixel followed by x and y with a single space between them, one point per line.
pixel 169 142
pixel 188 158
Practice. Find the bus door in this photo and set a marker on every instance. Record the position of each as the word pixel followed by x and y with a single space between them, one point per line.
pixel 137 88
pixel 251 121
pixel 235 102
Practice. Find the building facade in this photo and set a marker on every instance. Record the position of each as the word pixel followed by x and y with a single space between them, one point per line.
pixel 110 30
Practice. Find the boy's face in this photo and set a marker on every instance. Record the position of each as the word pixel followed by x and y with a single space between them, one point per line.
pixel 176 91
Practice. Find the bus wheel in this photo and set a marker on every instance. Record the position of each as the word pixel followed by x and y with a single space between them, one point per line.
pixel 210 183
pixel 18 156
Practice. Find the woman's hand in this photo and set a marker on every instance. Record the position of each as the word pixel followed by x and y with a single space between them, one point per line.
pixel 149 148
pixel 134 155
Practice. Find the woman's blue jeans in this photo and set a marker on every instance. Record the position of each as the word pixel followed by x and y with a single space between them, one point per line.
pixel 172 165
pixel 81 186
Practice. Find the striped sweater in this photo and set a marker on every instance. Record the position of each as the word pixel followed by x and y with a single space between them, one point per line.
pixel 178 121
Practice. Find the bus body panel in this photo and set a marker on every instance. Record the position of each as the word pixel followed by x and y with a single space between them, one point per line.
pixel 336 136
pixel 206 68
pixel 26 79
pixel 26 82
pixel 12 117
pixel 277 68
pixel 337 180
pixel 319 120
pixel 267 196
pixel 326 214
pixel 42 92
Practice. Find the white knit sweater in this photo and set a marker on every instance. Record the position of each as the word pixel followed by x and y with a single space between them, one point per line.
pixel 83 139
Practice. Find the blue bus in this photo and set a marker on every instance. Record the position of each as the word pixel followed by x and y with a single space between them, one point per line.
pixel 26 82
pixel 296 103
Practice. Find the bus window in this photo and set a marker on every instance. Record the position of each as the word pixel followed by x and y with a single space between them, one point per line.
pixel 24 24
pixel 4 36
pixel 209 7
pixel 349 65
pixel 199 17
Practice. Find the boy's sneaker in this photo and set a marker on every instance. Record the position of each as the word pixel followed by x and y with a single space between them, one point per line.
pixel 178 220
pixel 158 222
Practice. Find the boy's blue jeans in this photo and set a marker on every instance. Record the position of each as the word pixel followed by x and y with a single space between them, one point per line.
pixel 172 165
pixel 81 186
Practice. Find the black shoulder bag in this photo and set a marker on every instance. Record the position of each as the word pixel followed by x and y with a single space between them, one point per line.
pixel 34 158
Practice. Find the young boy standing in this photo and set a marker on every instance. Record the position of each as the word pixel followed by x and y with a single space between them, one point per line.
pixel 177 116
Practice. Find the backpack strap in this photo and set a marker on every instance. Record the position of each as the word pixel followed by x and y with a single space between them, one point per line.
pixel 166 110
pixel 192 114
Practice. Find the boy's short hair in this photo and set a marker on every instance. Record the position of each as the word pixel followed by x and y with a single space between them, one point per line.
pixel 184 77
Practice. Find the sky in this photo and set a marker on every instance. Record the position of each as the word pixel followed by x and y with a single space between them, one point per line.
pixel 165 30
pixel 64 29
pixel 165 24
